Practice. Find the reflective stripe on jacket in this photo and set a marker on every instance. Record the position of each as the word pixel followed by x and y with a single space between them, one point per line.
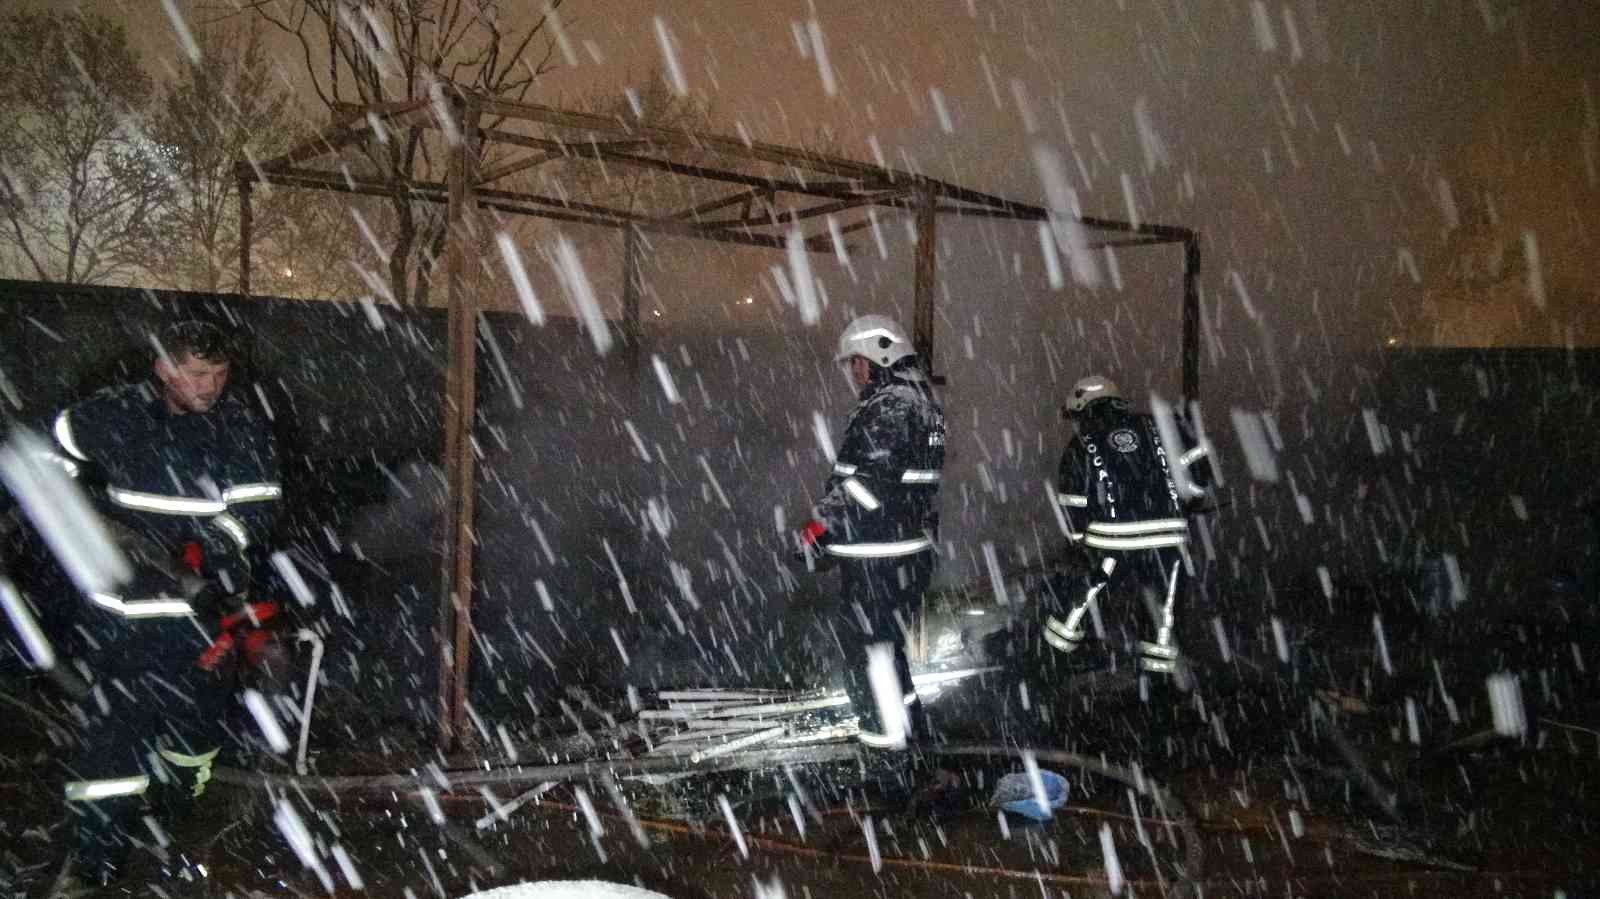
pixel 1115 485
pixel 881 499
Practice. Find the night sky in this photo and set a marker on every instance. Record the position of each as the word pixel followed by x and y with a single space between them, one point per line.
pixel 1325 151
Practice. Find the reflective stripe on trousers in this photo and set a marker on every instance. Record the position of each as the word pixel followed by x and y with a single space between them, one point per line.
pixel 1162 655
pixel 107 788
pixel 201 764
pixel 1159 656
pixel 1068 635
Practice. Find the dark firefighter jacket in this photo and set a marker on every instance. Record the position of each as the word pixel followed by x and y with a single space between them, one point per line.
pixel 881 498
pixel 1116 485
pixel 205 478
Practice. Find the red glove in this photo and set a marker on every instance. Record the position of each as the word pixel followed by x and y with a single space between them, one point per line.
pixel 811 533
pixel 239 627
pixel 191 557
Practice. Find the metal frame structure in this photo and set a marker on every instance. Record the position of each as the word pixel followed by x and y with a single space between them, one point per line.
pixel 764 192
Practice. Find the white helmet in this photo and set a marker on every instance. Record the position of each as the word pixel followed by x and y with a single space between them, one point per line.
pixel 1089 389
pixel 876 338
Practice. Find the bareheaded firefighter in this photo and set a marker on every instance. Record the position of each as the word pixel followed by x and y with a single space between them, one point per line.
pixel 879 516
pixel 186 473
pixel 1123 497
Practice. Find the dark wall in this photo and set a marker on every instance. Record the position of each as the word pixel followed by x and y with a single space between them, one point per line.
pixel 588 471
pixel 350 401
pixel 564 487
pixel 1393 457
pixel 349 386
pixel 1507 457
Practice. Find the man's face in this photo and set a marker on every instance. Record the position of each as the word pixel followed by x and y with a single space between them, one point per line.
pixel 860 371
pixel 191 384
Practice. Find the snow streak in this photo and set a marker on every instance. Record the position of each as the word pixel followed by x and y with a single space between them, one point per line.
pixel 1070 236
pixel 40 653
pixel 669 56
pixel 62 515
pixel 580 293
pixel 519 278
pixel 266 721
pixel 886 692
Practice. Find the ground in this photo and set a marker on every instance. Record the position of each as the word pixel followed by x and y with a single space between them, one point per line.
pixel 1289 827
pixel 1340 774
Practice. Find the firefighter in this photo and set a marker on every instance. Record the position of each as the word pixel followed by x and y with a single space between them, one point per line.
pixel 879 514
pixel 187 472
pixel 1122 503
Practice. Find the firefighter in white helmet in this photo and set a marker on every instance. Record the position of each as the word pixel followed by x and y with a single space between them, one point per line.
pixel 879 514
pixel 1121 502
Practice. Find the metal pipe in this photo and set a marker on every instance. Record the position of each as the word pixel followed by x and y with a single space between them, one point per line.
pixel 308 636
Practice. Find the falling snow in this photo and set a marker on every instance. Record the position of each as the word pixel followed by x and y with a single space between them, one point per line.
pixel 514 591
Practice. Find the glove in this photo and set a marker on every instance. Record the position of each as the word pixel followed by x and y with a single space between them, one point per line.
pixel 813 541
pixel 243 630
pixel 209 598
pixel 213 574
pixel 814 533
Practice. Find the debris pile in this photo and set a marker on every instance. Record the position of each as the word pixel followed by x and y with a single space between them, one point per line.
pixel 708 722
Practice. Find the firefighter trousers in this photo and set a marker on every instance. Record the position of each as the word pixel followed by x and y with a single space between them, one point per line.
pixel 883 598
pixel 1132 582
pixel 144 756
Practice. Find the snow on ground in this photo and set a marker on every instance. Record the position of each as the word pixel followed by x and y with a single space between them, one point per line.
pixel 567 889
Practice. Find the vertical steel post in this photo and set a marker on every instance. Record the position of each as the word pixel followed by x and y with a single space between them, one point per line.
pixel 927 273
pixel 460 409
pixel 1191 319
pixel 632 285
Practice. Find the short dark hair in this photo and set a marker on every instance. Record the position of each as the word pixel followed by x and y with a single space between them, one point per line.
pixel 198 339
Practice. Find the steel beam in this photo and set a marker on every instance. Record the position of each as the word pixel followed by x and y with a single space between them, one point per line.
pixel 926 274
pixel 1191 320
pixel 460 409
pixel 516 165
pixel 795 215
pixel 632 286
pixel 431 193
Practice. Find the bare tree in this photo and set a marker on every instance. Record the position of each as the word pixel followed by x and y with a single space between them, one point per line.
pixel 79 181
pixel 359 54
pixel 230 105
